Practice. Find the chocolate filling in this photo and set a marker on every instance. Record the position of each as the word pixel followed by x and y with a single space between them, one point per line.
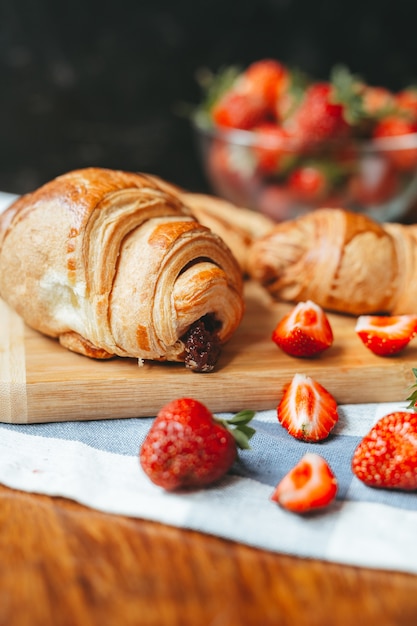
pixel 202 344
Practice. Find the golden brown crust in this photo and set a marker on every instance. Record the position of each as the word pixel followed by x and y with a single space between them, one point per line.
pixel 95 258
pixel 76 343
pixel 343 261
pixel 238 226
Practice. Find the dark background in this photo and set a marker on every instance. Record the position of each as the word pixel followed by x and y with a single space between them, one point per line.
pixel 104 83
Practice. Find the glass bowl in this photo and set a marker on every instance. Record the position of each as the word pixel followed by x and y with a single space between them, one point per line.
pixel 376 177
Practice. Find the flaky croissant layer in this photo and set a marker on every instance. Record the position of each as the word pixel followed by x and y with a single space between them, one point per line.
pixel 111 263
pixel 343 261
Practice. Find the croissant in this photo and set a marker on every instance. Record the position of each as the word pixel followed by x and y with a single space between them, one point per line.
pixel 343 261
pixel 112 264
pixel 237 226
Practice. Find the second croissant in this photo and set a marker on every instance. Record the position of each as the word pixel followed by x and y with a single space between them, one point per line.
pixel 341 260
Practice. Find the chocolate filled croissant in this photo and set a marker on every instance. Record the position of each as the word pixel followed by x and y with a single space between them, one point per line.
pixel 343 261
pixel 112 264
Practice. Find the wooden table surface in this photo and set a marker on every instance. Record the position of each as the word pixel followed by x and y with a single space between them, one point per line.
pixel 64 564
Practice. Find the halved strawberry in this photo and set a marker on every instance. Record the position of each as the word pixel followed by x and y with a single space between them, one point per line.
pixel 307 410
pixel 387 455
pixel 305 331
pixel 310 485
pixel 385 335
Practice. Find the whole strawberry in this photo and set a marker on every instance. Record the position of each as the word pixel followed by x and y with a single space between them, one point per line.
pixel 318 118
pixel 387 455
pixel 187 446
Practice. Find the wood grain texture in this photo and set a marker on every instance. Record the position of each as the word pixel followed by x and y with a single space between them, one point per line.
pixel 41 381
pixel 66 565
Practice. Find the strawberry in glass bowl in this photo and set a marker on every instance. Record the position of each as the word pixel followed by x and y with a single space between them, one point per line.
pixel 279 142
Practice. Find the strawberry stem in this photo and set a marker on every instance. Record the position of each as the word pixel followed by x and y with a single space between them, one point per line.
pixel 238 426
pixel 412 398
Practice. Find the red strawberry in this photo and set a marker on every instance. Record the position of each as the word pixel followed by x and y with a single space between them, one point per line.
pixel 187 446
pixel 406 101
pixel 304 332
pixel 239 110
pixel 266 79
pixel 386 334
pixel 317 118
pixel 309 485
pixel 309 182
pixel 377 101
pixel 292 94
pixel 273 148
pixel 387 456
pixel 403 155
pixel 307 410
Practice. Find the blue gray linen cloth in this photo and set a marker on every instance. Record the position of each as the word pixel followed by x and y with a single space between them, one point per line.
pixel 96 463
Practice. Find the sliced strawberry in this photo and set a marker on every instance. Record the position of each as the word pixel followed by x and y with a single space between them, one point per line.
pixel 309 485
pixel 385 335
pixel 387 455
pixel 305 331
pixel 307 410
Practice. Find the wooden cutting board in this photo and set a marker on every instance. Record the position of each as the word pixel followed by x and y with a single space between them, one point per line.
pixel 42 382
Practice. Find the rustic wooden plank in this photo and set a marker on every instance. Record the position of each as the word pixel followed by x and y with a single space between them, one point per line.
pixel 44 382
pixel 74 566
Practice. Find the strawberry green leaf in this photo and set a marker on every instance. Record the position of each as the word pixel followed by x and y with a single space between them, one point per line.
pixel 238 426
pixel 213 87
pixel 347 91
pixel 242 438
pixel 243 417
pixel 412 398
